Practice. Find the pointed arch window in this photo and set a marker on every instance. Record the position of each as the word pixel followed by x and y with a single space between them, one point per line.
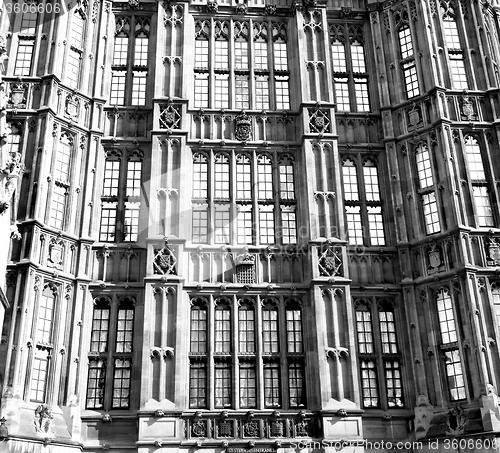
pixel 76 47
pixel 349 67
pixel 228 75
pixel 111 353
pixel 254 379
pixel 458 73
pixel 129 70
pixel 121 197
pixel 379 354
pixel 363 204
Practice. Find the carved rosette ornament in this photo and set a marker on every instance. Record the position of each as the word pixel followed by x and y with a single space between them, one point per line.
pixel 243 127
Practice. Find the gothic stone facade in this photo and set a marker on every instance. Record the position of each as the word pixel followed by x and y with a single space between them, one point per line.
pixel 249 226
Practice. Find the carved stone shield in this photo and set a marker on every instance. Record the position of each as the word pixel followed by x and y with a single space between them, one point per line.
pixel 243 129
pixel 17 97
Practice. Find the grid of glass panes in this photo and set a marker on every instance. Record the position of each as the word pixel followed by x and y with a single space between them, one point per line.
pixel 248 386
pixel 246 367
pixel 23 58
pixel 424 166
pixel 361 95
pixel 271 225
pixel 246 330
pixel 388 332
pixel 458 72
pixel 348 58
pixel 221 222
pixel 431 216
pixel 121 383
pixel 294 330
pixel 108 222
pixel 124 330
pixel 365 332
pixel 455 375
pixel 482 204
pixel 129 75
pixel 198 330
pixel 393 382
pixel 243 177
pixel 376 334
pixel 451 33
pixel 222 330
pixel 100 330
pixel 96 383
pixel 198 385
pixel 358 202
pixel 102 354
pixel 133 184
pixel 370 176
pixel 375 225
pixel 221 179
pixel 242 93
pixel 495 294
pixel 405 42
pixel 354 225
pixel 200 226
pixel 474 159
pixel 73 68
pixel 350 180
pixel 131 221
pixel 117 96
pixel 121 201
pixel 62 161
pixel 338 57
pixel 225 89
pixel 29 19
pixel 139 80
pixel 296 384
pixel 358 57
pixel 288 225
pixel 369 383
pixel 57 206
pixel 44 322
pixel 446 316
pixel 270 340
pixel 272 387
pixel 39 376
pixel 411 79
pixel 262 92
pixel 266 225
pixel 222 387
pixel 244 227
pixel 408 61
